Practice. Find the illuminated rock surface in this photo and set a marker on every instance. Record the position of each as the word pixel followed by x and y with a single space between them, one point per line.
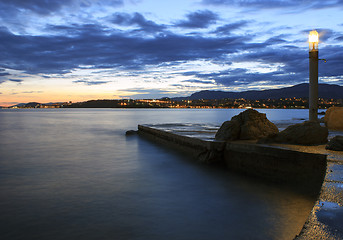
pixel 334 118
pixel 248 125
pixel 306 133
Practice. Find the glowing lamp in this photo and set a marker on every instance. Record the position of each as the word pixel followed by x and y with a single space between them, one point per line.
pixel 313 39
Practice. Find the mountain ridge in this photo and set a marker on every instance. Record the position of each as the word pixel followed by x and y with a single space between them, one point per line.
pixel 327 91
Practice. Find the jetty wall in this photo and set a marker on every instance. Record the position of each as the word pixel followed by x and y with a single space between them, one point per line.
pixel 302 170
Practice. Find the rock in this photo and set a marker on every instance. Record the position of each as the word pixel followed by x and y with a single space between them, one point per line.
pixel 229 130
pixel 336 144
pixel 255 125
pixel 131 132
pixel 306 133
pixel 248 125
pixel 334 118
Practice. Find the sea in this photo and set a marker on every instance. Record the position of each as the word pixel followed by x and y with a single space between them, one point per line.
pixel 74 174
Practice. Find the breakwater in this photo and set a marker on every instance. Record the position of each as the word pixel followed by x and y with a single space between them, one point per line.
pixel 302 170
pixel 311 170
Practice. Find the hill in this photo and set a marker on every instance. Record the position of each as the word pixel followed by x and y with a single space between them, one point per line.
pixel 326 91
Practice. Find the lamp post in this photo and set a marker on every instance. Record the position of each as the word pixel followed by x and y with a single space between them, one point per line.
pixel 313 40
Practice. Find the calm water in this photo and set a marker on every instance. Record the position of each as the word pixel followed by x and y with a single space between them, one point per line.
pixel 73 174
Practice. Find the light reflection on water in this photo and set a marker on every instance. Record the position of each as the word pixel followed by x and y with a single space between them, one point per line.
pixel 72 174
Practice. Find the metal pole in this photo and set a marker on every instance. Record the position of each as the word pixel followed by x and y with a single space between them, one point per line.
pixel 313 95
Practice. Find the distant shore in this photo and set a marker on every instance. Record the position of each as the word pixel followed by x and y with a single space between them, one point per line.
pixel 282 103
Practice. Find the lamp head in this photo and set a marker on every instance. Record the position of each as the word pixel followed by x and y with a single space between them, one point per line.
pixel 313 39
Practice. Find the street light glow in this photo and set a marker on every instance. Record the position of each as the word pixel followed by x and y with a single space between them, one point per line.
pixel 313 39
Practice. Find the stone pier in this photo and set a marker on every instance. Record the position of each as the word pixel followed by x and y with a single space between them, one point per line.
pixel 312 170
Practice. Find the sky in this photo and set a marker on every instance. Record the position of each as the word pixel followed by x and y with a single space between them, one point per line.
pixel 78 50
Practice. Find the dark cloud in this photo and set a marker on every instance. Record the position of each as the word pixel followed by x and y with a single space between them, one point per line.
pixel 18 14
pixel 198 81
pixel 275 40
pixel 30 92
pixel 77 30
pixel 228 28
pixel 198 19
pixel 16 80
pixel 43 7
pixel 272 4
pixel 46 7
pixel 90 83
pixel 241 77
pixel 292 67
pixel 26 92
pixel 136 19
pixel 253 3
pixel 334 57
pixel 190 73
pixel 3 74
pixel 95 46
pixel 292 62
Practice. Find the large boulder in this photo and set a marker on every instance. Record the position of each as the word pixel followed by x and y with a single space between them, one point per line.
pixel 334 118
pixel 336 144
pixel 229 130
pixel 306 133
pixel 248 125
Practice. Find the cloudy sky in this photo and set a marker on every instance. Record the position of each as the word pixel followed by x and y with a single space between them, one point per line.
pixel 76 50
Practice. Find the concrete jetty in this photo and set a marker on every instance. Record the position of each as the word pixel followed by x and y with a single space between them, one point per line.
pixel 312 170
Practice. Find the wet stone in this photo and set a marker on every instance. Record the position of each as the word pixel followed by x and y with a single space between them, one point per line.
pixel 334 172
pixel 331 214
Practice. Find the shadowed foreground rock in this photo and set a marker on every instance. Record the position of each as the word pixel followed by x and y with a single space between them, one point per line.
pixel 306 133
pixel 335 144
pixel 334 118
pixel 248 125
